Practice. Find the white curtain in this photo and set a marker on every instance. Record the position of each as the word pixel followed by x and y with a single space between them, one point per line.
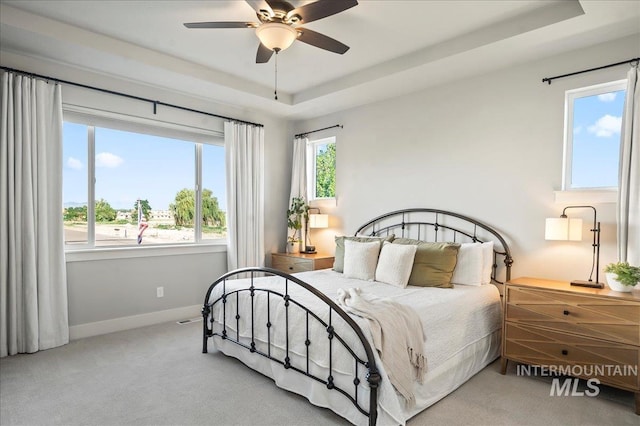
pixel 628 207
pixel 299 176
pixel 33 282
pixel 244 147
pixel 299 169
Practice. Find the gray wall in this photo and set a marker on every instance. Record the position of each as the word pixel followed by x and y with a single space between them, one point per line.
pixel 113 288
pixel 488 146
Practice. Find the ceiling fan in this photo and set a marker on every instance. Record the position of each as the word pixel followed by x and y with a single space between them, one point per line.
pixel 278 29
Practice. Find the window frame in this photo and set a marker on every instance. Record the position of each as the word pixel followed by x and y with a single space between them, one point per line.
pixel 312 167
pixel 567 155
pixel 93 118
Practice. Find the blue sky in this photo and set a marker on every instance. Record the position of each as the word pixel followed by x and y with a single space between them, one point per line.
pixel 131 166
pixel 596 139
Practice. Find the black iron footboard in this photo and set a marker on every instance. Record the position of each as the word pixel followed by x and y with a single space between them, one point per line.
pixel 333 335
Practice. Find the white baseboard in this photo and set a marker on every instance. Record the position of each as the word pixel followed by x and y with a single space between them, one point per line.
pixel 126 323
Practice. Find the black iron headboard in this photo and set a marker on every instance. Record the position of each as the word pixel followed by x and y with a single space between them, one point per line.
pixel 441 226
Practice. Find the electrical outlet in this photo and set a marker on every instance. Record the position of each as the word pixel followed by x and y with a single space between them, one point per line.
pixel 159 291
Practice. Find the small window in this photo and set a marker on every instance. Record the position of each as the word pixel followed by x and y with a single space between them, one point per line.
pixel 321 166
pixel 214 200
pixel 593 119
pixel 75 187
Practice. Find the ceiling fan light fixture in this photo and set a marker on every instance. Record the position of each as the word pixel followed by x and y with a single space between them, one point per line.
pixel 276 36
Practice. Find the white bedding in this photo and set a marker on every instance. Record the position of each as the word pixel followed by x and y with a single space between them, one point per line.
pixel 461 326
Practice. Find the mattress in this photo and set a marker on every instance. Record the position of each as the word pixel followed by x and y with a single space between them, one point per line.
pixel 461 327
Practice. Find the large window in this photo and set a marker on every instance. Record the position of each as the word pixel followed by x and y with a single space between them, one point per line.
pixel 593 117
pixel 321 166
pixel 118 182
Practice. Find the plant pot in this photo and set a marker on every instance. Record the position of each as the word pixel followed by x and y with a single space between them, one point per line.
pixel 615 285
pixel 293 247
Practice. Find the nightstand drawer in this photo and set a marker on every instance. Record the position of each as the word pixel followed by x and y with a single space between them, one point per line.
pixel 613 320
pixel 291 264
pixel 300 262
pixel 612 363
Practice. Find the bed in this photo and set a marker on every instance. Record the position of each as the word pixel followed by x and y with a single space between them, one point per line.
pixel 292 329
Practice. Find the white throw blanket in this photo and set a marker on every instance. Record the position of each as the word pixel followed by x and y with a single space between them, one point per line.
pixel 397 335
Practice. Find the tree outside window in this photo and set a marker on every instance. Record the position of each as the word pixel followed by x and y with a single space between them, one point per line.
pixel 322 168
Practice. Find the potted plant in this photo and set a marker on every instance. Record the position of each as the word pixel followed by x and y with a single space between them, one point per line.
pixel 295 214
pixel 621 276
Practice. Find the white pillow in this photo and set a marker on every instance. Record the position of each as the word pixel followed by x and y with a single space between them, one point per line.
pixel 395 264
pixel 469 267
pixel 487 261
pixel 360 259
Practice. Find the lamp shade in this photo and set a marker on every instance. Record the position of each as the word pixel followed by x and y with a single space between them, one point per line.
pixel 318 221
pixel 563 229
pixel 276 36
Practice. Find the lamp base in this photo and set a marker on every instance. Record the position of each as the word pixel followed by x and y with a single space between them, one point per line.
pixel 591 284
pixel 310 249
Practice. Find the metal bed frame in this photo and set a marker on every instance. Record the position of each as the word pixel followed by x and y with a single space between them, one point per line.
pixel 444 226
pixel 420 223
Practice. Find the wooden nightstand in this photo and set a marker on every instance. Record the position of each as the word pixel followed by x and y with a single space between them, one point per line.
pixel 551 323
pixel 300 262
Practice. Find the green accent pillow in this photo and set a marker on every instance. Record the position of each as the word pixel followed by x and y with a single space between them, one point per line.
pixel 338 263
pixel 433 264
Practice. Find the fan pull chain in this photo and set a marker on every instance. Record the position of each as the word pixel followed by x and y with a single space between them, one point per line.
pixel 276 77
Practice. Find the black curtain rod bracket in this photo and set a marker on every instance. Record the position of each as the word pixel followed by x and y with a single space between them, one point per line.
pixel 628 61
pixel 126 95
pixel 299 135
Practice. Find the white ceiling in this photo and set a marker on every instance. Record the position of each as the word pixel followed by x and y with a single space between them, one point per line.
pixel 396 46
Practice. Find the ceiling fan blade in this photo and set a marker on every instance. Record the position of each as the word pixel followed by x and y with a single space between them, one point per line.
pixel 221 24
pixel 264 54
pixel 322 41
pixel 319 9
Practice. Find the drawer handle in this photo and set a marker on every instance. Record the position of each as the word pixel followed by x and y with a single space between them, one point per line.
pixel 291 268
pixel 565 312
pixel 565 352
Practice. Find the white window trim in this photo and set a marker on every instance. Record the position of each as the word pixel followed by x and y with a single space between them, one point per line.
pixel 100 118
pixel 311 169
pixel 567 155
pixel 585 196
pixel 128 252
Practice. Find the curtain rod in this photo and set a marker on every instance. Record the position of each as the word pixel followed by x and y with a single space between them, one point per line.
pixel 299 135
pixel 628 61
pixel 126 95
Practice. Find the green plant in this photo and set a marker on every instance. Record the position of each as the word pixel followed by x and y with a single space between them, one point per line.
pixel 625 273
pixel 104 212
pixel 295 213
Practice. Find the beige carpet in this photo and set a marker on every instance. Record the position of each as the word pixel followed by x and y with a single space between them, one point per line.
pixel 158 376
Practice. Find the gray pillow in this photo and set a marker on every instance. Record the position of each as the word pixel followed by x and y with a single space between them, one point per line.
pixel 338 263
pixel 433 263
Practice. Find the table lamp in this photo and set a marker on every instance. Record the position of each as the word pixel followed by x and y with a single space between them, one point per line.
pixel 570 229
pixel 314 221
